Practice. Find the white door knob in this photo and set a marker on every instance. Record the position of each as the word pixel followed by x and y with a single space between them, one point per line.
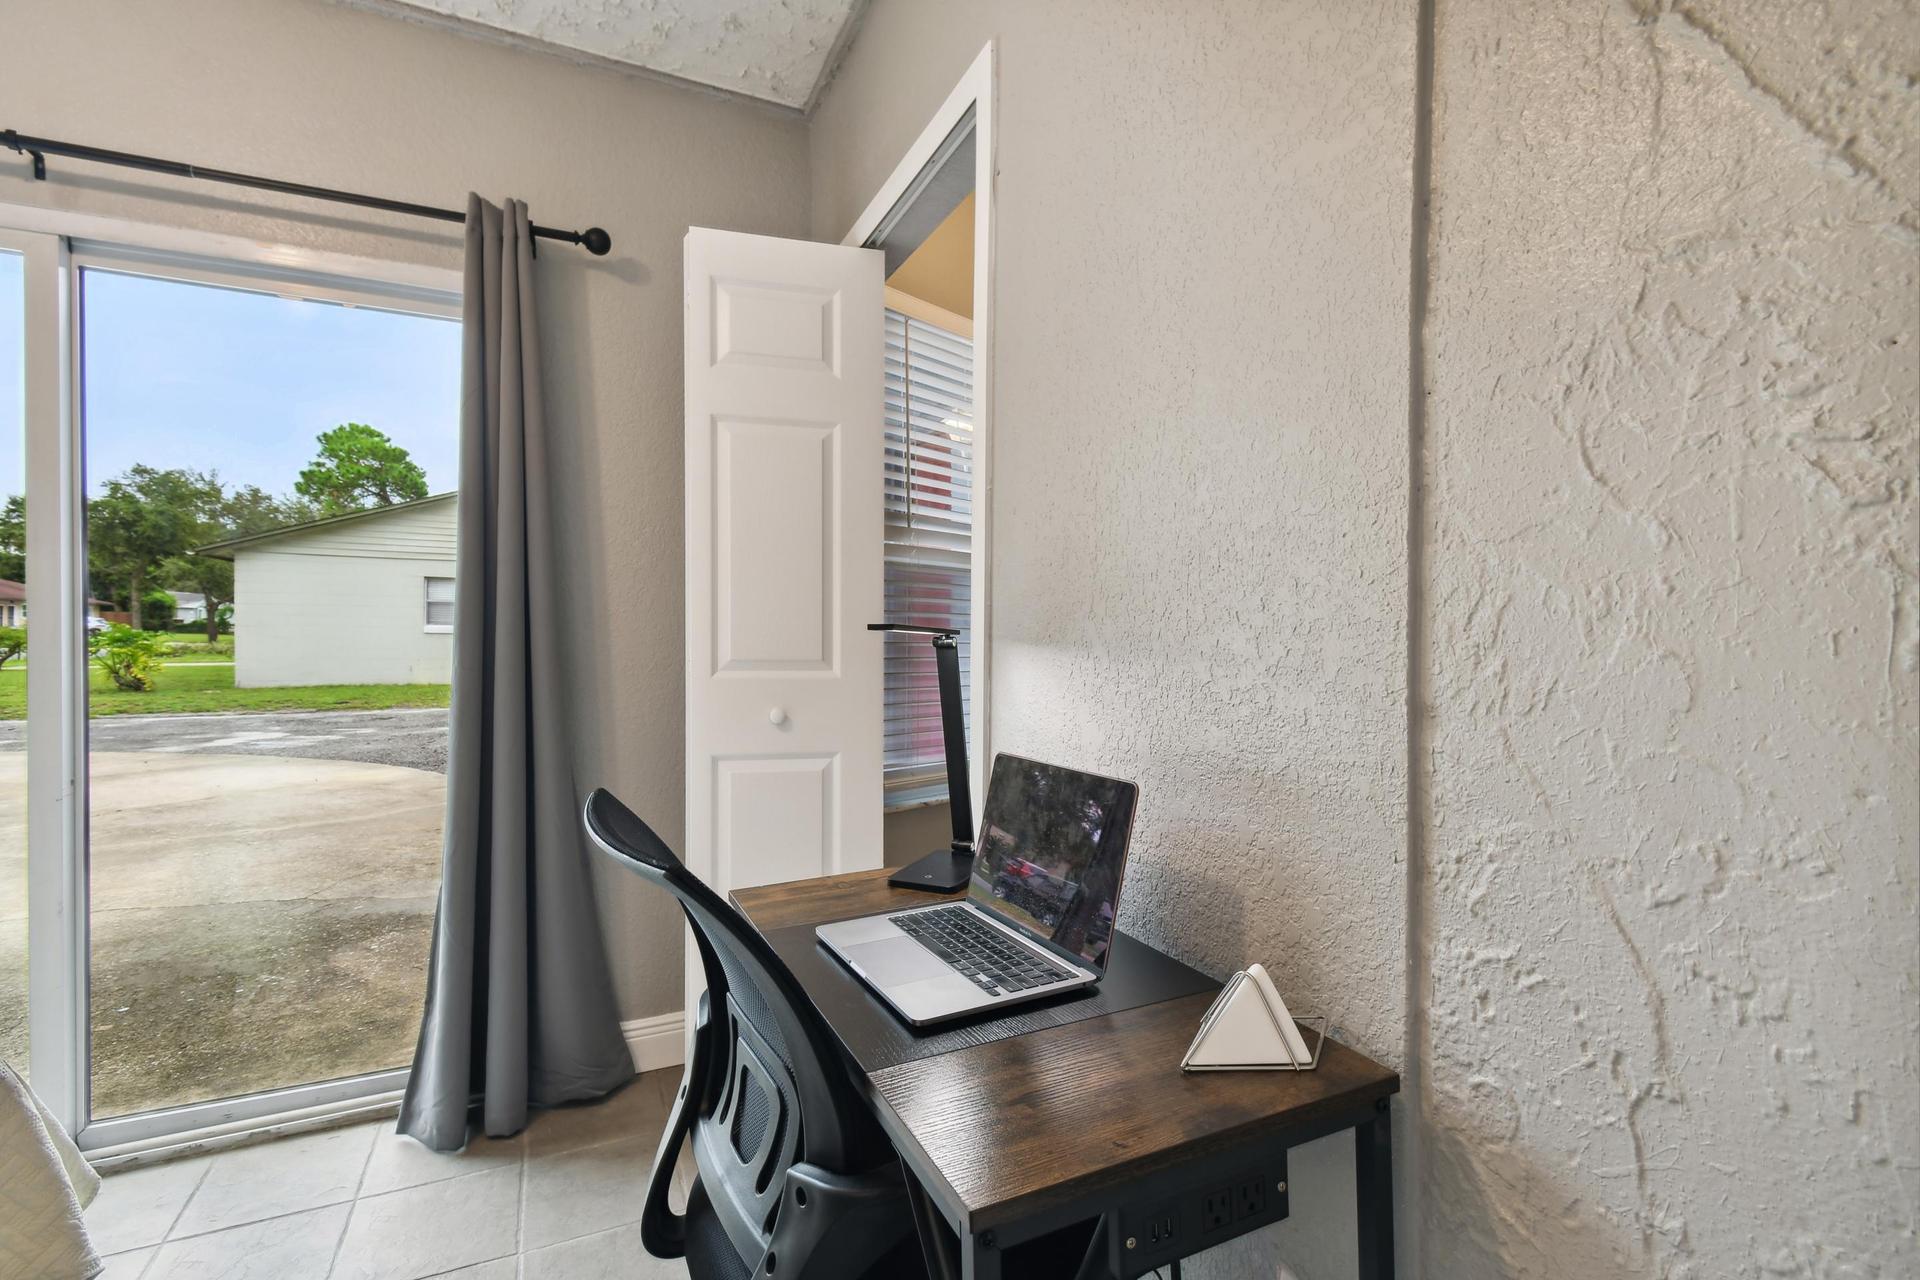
pixel 777 715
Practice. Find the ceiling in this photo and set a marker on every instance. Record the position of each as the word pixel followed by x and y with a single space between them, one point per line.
pixel 779 51
pixel 940 271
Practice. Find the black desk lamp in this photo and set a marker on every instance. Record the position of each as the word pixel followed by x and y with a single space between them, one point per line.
pixel 944 870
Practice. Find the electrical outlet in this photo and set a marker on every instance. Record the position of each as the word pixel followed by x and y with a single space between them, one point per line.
pixel 1216 1210
pixel 1250 1198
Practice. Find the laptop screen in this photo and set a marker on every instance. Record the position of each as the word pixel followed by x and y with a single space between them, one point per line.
pixel 1052 847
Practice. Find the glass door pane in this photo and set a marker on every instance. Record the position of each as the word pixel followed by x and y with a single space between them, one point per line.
pixel 270 534
pixel 13 663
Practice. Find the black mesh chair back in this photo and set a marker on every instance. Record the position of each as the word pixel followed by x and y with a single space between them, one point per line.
pixel 795 1176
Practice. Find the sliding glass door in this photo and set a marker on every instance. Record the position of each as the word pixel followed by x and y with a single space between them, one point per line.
pixel 14 1047
pixel 252 476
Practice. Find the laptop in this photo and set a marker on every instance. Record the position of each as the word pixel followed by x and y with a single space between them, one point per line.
pixel 1039 913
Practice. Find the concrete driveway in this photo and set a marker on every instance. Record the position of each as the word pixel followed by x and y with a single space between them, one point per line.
pixel 413 738
pixel 262 898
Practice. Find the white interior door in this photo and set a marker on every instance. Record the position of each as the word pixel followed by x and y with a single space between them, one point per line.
pixel 783 459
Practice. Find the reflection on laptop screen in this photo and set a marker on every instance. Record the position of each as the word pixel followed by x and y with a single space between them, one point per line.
pixel 1052 847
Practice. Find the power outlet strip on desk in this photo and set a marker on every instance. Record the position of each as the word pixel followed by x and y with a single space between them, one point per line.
pixel 1152 1234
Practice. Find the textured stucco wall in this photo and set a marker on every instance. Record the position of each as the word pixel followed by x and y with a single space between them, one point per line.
pixel 1667 975
pixel 1199 463
pixel 1671 562
pixel 339 97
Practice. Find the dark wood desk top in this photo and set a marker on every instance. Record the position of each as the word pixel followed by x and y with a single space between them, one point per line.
pixel 830 898
pixel 1022 1124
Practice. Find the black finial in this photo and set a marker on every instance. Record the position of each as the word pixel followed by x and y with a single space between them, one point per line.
pixel 596 241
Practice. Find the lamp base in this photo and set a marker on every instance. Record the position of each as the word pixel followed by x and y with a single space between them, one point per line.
pixel 942 871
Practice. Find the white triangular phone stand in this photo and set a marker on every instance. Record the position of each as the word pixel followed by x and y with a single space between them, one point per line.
pixel 1248 1028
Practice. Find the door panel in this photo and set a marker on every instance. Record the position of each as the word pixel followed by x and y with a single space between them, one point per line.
pixel 764 324
pixel 783 528
pixel 774 579
pixel 774 818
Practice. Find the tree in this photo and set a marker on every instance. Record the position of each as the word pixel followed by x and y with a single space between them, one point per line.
pixel 158 608
pixel 359 467
pixel 13 538
pixel 247 510
pixel 140 519
pixel 13 643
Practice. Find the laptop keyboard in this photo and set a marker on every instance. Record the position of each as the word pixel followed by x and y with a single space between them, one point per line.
pixel 979 952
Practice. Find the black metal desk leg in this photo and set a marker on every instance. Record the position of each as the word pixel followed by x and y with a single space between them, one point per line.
pixel 981 1257
pixel 938 1246
pixel 1373 1193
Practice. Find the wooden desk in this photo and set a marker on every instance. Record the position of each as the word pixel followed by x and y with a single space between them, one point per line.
pixel 1024 1124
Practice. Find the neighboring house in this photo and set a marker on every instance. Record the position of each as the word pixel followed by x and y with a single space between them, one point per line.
pixel 189 606
pixel 13 604
pixel 365 598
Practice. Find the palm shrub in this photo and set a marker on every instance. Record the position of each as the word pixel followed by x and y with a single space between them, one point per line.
pixel 13 643
pixel 131 658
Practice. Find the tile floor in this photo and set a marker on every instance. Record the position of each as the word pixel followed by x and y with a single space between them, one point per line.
pixel 561 1200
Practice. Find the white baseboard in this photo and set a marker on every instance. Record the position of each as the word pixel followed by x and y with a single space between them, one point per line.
pixel 656 1042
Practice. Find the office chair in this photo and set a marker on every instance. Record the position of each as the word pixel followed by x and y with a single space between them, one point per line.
pixel 796 1180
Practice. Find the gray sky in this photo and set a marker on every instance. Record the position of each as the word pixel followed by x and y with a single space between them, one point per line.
pixel 188 375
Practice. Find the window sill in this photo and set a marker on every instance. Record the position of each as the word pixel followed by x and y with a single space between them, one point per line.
pixel 433 630
pixel 920 793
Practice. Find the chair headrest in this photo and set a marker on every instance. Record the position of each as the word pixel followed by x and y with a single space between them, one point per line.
pixel 622 832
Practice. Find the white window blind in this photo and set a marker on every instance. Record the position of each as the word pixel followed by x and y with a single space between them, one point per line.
pixel 929 536
pixel 439 604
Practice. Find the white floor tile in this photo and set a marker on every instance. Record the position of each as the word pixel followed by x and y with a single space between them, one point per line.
pixel 592 1189
pixel 137 1206
pixel 299 1246
pixel 399 1162
pixel 610 1255
pixel 287 1175
pixel 128 1265
pixel 366 1204
pixel 429 1229
pixel 498 1269
pixel 640 1107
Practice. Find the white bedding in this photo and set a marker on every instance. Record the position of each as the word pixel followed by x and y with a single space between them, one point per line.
pixel 44 1185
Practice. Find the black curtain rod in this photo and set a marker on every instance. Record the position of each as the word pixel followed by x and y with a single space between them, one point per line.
pixel 593 239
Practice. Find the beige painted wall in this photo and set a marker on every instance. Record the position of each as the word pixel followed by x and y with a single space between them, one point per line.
pixel 335 96
pixel 1200 461
pixel 915 833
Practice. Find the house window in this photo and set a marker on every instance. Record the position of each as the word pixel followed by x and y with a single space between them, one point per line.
pixel 439 604
pixel 928 540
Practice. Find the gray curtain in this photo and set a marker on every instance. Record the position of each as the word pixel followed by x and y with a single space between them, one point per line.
pixel 520 1010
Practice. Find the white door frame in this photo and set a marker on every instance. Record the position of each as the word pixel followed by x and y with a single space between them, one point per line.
pixel 56 246
pixel 56 739
pixel 974 93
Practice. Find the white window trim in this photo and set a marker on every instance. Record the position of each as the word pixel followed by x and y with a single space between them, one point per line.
pixel 976 93
pixel 56 246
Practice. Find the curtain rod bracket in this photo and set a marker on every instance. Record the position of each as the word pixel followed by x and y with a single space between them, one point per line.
pixel 12 140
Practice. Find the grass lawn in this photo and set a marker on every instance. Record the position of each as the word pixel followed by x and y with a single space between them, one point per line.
pixel 185 686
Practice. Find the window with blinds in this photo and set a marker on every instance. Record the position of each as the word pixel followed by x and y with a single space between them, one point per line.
pixel 929 539
pixel 439 604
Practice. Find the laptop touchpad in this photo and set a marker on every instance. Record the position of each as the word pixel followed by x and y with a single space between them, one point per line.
pixel 896 960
